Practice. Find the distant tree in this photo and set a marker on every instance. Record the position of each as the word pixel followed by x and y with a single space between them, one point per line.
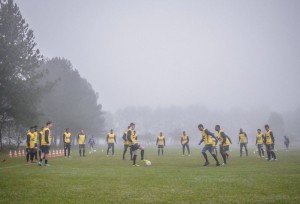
pixel 19 68
pixel 276 123
pixel 72 101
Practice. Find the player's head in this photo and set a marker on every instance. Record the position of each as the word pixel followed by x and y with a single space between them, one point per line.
pixel 49 124
pixel 132 126
pixel 35 127
pixel 259 130
pixel 267 127
pixel 217 127
pixel 81 131
pixel 67 130
pixel 200 127
pixel 183 133
pixel 111 130
pixel 160 133
pixel 241 130
pixel 32 129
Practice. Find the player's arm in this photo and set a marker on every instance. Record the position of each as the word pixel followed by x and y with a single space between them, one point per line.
pixel 272 137
pixel 47 136
pixel 164 142
pixel 64 138
pixel 187 140
pixel 228 138
pixel 246 137
pixel 115 139
pixel 210 134
pixel 223 135
pixel 201 141
pixel 129 136
pixel 239 139
pixel 28 141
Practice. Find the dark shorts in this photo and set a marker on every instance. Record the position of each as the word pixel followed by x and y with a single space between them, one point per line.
pixel 82 146
pixel 208 147
pixel 225 148
pixel 110 145
pixel 243 145
pixel 269 147
pixel 135 146
pixel 160 146
pixel 45 149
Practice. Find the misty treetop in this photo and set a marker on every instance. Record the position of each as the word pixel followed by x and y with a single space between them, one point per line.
pixel 72 102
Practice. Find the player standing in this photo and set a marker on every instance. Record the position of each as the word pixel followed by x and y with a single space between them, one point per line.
pixel 185 143
pixel 161 142
pixel 67 142
pixel 31 143
pixel 270 140
pixel 286 142
pixel 259 143
pixel 111 140
pixel 126 144
pixel 81 142
pixel 243 141
pixel 46 142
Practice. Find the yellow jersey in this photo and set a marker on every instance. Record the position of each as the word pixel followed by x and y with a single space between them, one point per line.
pixel 206 138
pixel 160 140
pixel 269 139
pixel 31 140
pixel 259 138
pixel 243 138
pixel 220 138
pixel 44 142
pixel 81 139
pixel 184 139
pixel 67 137
pixel 111 138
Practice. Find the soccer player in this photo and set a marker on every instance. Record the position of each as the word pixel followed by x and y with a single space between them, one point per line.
pixel 81 142
pixel 31 143
pixel 224 143
pixel 126 144
pixel 286 142
pixel 214 146
pixel 92 143
pixel 45 142
pixel 243 141
pixel 161 142
pixel 259 143
pixel 111 140
pixel 270 140
pixel 131 137
pixel 67 142
pixel 40 142
pixel 35 142
pixel 185 143
pixel 206 138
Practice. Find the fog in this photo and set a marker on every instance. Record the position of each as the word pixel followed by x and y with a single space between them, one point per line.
pixel 216 54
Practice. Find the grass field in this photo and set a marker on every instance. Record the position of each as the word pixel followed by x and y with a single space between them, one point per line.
pixel 171 179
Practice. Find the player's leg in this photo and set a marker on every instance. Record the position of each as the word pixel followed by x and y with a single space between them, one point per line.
pixel 183 149
pixel 204 149
pixel 162 151
pixel 83 147
pixel 188 148
pixel 241 149
pixel 108 147
pixel 80 147
pixel 113 149
pixel 124 151
pixel 246 150
pixel 259 150
pixel 158 150
pixel 142 151
pixel 27 154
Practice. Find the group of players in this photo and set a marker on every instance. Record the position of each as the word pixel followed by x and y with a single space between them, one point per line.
pixel 131 141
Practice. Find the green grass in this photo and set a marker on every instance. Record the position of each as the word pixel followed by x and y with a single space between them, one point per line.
pixel 171 179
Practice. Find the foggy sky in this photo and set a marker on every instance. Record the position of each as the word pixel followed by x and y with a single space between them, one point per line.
pixel 219 54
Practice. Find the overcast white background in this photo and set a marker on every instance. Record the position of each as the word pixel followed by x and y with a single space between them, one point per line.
pixel 219 54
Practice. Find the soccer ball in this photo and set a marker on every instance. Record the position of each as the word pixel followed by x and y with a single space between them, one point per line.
pixel 148 163
pixel 94 150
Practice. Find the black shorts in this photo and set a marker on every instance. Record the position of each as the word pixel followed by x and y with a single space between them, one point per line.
pixel 225 148
pixel 135 146
pixel 110 145
pixel 160 146
pixel 45 149
pixel 208 147
pixel 81 146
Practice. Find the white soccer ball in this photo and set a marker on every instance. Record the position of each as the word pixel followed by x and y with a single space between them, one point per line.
pixel 148 163
pixel 94 150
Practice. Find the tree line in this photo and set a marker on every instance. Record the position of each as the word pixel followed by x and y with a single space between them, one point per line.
pixel 34 89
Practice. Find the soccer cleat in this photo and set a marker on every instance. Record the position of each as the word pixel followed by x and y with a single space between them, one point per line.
pixel 46 165
pixel 135 165
pixel 40 163
pixel 206 163
pixel 218 164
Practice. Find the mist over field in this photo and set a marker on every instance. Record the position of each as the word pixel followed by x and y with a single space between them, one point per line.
pixel 170 65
